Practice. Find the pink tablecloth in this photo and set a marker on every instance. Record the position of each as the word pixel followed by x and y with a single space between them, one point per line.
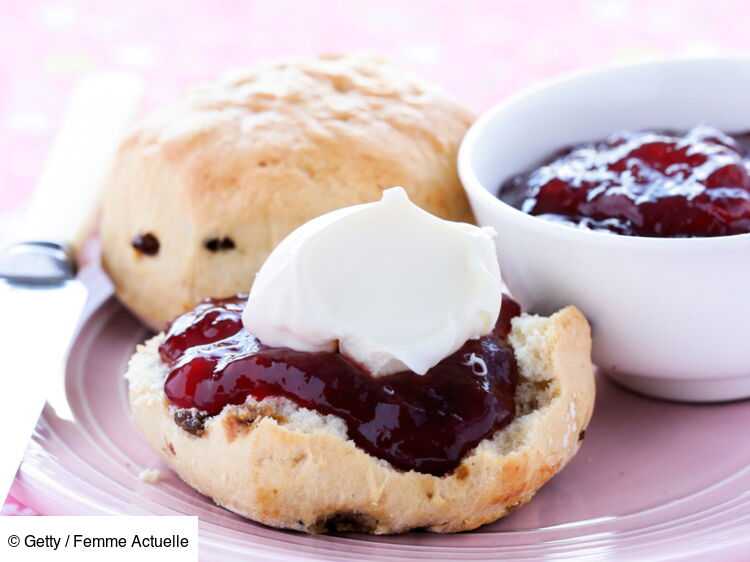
pixel 480 50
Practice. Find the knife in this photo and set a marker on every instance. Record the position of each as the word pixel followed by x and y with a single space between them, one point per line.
pixel 40 298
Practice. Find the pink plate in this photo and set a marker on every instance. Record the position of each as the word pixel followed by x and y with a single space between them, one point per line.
pixel 653 480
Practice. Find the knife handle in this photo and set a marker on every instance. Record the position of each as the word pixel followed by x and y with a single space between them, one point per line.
pixel 101 108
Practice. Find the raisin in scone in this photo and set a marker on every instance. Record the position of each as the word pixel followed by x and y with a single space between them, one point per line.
pixel 203 189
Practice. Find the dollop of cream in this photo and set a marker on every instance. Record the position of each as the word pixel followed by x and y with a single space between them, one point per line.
pixel 389 285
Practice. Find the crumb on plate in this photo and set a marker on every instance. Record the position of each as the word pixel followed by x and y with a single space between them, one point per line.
pixel 150 475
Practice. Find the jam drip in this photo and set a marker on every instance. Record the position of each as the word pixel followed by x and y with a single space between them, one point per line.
pixel 416 422
pixel 644 184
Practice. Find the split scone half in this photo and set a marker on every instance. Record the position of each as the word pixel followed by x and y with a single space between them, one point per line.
pixel 294 468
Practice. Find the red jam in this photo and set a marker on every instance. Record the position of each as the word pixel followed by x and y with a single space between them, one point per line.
pixel 644 184
pixel 416 422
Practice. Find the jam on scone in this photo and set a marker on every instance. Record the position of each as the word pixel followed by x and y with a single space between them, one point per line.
pixel 416 422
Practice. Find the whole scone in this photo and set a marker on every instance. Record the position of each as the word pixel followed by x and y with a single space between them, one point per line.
pixel 293 468
pixel 204 189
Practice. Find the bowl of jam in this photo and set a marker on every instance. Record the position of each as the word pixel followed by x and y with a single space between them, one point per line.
pixel 626 191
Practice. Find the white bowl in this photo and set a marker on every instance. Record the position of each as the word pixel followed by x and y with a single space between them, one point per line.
pixel 670 316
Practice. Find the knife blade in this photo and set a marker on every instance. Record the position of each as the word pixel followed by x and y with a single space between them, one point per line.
pixel 40 297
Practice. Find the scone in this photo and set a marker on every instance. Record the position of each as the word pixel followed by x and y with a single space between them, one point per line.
pixel 375 378
pixel 203 190
pixel 293 468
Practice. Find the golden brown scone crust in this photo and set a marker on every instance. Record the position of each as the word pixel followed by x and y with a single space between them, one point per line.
pixel 292 468
pixel 256 154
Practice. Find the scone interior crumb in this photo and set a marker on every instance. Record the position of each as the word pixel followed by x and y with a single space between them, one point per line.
pixel 301 419
pixel 535 390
